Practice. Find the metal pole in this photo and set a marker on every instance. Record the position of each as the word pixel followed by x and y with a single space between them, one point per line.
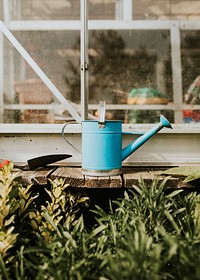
pixel 6 11
pixel 84 59
pixel 123 10
pixel 1 77
pixel 127 9
pixel 119 10
pixel 176 70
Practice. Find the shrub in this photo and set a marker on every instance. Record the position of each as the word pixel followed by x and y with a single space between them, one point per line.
pixel 147 234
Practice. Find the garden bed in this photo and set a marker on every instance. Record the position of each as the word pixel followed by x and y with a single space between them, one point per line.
pixel 60 232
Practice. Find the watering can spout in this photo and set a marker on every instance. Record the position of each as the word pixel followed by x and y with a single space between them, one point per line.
pixel 132 147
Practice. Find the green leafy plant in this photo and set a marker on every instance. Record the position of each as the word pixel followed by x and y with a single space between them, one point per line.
pixel 8 207
pixel 60 209
pixel 149 233
pixel 189 173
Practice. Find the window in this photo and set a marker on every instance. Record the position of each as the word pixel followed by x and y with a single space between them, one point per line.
pixel 142 61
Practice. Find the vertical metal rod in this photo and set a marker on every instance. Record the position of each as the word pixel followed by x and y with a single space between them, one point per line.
pixel 1 76
pixel 6 18
pixel 119 10
pixel 123 10
pixel 127 9
pixel 176 70
pixel 84 60
pixel 6 11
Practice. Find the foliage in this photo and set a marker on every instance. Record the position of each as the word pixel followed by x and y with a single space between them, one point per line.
pixel 60 209
pixel 150 233
pixel 27 228
pixel 189 173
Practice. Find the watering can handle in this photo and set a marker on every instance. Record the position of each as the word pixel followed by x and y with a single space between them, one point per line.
pixel 102 113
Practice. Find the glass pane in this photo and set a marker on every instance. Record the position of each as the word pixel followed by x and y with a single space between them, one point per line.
pixel 191 70
pixel 45 9
pixel 145 9
pixel 161 9
pixel 60 9
pixel 101 9
pixel 131 68
pixel 54 53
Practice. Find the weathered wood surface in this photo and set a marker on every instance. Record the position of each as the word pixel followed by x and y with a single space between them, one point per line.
pixel 74 177
pixel 36 177
pixel 133 175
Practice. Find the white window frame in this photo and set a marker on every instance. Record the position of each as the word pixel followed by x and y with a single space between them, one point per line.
pixel 123 22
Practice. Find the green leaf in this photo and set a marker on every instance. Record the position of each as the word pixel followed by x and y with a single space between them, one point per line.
pixel 50 221
pixel 98 230
pixel 113 231
pixel 171 240
pixel 191 178
pixel 3 268
pixel 126 196
pixel 174 193
pixel 137 189
pixel 171 219
pixel 9 221
pixel 70 238
pixel 189 172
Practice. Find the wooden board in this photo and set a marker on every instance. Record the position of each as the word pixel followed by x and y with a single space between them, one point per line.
pixel 73 176
pixel 37 177
pixel 133 175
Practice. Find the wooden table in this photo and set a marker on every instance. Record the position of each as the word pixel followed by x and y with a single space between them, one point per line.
pixel 74 177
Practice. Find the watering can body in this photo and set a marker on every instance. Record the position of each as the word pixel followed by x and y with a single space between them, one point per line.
pixel 102 153
pixel 101 148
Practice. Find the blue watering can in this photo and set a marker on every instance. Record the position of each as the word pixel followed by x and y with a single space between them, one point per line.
pixel 102 153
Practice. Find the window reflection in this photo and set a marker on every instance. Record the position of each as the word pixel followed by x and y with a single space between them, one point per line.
pixel 51 50
pixel 46 10
pixel 126 67
pixel 121 62
pixel 191 73
pixel 61 9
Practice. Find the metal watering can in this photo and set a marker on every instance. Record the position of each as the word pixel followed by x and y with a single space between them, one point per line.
pixel 102 153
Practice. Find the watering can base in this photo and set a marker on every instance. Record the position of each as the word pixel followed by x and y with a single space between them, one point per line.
pixel 102 173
